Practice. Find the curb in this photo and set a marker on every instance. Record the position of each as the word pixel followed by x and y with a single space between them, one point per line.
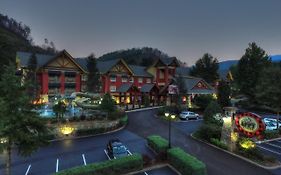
pixel 264 141
pixel 248 160
pixel 80 137
pixel 143 109
pixel 148 169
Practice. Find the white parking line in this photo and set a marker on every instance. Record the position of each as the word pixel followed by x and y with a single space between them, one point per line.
pixel 57 166
pixel 269 150
pixel 277 146
pixel 129 152
pixel 106 154
pixel 84 160
pixel 27 171
pixel 145 173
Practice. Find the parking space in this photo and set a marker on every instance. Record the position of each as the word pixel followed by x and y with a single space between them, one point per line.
pixel 78 152
pixel 272 148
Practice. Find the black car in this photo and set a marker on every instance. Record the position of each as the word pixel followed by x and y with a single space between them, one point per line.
pixel 116 149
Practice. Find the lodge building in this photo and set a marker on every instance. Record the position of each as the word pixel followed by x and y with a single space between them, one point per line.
pixel 61 74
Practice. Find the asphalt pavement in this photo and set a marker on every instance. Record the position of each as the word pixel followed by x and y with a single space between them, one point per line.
pixel 218 162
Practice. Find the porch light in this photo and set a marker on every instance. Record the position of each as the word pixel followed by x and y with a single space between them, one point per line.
pixel 3 140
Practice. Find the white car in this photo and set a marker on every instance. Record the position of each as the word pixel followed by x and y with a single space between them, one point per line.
pixel 270 126
pixel 188 115
pixel 272 121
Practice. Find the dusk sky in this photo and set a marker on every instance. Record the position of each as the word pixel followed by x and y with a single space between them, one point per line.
pixel 182 28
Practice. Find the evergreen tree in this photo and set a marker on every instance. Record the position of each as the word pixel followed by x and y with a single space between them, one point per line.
pixel 249 67
pixel 182 89
pixel 59 109
pixel 107 103
pixel 93 83
pixel 206 68
pixel 21 127
pixel 224 93
pixel 31 77
pixel 268 90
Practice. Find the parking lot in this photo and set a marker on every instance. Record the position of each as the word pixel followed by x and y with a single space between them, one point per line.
pixel 70 153
pixel 272 148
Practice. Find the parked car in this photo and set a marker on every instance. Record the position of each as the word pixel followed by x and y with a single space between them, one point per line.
pixel 116 149
pixel 270 126
pixel 188 115
pixel 272 121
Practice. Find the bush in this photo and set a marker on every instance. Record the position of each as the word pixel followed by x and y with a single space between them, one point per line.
pixel 185 163
pixel 116 115
pixel 91 131
pixel 208 131
pixel 118 166
pixel 270 134
pixel 157 143
pixel 218 143
pixel 124 120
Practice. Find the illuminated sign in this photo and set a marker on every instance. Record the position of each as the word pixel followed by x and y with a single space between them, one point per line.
pixel 250 124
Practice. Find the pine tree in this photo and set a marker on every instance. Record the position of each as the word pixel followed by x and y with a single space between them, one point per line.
pixel 31 77
pixel 223 93
pixel 206 68
pixel 268 91
pixel 249 67
pixel 93 84
pixel 20 125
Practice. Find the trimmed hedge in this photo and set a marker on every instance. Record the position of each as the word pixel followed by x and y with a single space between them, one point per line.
pixel 158 143
pixel 185 163
pixel 118 166
pixel 218 143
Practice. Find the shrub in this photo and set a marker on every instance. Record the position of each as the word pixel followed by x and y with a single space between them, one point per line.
pixel 270 134
pixel 157 143
pixel 218 143
pixel 212 109
pixel 91 131
pixel 124 120
pixel 118 166
pixel 185 163
pixel 116 115
pixel 208 131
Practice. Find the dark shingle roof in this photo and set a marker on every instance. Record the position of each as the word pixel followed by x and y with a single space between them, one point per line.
pixel 41 58
pixel 184 71
pixel 139 71
pixel 190 82
pixel 147 87
pixel 124 87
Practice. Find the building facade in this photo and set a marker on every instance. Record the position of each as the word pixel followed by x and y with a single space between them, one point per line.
pixel 61 74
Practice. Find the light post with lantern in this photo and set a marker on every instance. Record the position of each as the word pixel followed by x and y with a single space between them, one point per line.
pixel 170 117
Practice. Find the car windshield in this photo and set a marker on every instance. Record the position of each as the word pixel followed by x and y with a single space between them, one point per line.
pixel 185 112
pixel 119 149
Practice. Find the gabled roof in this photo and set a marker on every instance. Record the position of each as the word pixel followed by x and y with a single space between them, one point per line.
pixel 126 87
pixel 191 82
pixel 147 87
pixel 139 71
pixel 42 59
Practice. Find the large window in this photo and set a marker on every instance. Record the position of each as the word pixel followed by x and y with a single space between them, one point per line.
pixel 112 88
pixel 84 77
pixel 113 78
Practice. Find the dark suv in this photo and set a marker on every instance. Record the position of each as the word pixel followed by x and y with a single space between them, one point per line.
pixel 116 149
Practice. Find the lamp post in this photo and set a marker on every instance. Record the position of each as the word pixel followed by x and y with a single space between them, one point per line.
pixel 170 117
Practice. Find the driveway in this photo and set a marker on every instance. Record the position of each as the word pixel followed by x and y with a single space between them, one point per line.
pixel 218 163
